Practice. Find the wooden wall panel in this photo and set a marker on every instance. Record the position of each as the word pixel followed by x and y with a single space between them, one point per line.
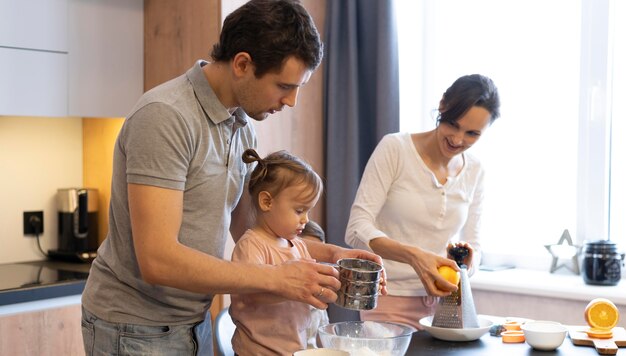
pixel 99 137
pixel 300 129
pixel 176 34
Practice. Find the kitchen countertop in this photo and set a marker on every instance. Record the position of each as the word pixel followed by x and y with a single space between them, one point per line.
pixel 39 280
pixel 423 344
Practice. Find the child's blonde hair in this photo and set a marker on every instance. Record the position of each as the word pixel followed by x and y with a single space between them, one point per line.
pixel 278 171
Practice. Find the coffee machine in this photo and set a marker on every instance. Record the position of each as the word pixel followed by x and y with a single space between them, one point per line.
pixel 78 225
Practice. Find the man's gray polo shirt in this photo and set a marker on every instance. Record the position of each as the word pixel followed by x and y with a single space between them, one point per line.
pixel 178 136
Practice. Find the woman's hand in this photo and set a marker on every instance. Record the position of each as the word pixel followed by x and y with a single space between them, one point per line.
pixel 470 256
pixel 425 264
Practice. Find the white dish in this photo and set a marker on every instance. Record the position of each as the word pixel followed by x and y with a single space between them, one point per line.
pixel 544 335
pixel 450 334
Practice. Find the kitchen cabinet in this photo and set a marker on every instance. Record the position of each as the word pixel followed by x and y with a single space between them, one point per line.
pixel 70 57
pixel 34 83
pixel 33 57
pixel 177 34
pixel 105 58
pixel 40 311
pixel 54 331
pixel 34 24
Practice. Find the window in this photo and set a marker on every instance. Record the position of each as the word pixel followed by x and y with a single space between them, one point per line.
pixel 617 208
pixel 550 159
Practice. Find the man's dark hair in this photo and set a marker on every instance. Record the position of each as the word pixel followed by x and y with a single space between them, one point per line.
pixel 270 31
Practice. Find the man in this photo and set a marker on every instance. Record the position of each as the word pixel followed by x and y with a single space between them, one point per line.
pixel 177 186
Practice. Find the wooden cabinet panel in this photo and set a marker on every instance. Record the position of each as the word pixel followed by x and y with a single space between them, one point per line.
pixel 99 137
pixel 47 332
pixel 300 129
pixel 177 33
pixel 34 83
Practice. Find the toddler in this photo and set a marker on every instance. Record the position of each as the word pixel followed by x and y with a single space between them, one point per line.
pixel 283 189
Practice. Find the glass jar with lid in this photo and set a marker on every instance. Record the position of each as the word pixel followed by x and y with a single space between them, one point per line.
pixel 602 263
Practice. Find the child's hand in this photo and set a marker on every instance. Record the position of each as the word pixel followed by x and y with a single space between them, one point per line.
pixel 364 255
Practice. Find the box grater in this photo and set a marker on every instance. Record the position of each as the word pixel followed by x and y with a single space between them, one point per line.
pixel 457 310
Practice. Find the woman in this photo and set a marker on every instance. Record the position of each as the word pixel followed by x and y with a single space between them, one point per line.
pixel 420 193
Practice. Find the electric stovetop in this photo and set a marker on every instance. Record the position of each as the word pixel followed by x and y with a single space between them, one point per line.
pixel 25 275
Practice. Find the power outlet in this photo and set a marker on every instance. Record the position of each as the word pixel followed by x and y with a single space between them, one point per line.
pixel 33 222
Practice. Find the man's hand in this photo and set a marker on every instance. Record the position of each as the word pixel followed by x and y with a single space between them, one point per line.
pixel 308 282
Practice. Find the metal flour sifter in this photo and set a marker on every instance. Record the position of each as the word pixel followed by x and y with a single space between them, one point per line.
pixel 457 310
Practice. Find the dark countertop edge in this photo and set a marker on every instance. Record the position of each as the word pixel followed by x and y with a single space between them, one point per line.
pixel 15 296
pixel 47 291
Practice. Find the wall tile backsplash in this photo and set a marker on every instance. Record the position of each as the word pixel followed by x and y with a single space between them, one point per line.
pixel 38 155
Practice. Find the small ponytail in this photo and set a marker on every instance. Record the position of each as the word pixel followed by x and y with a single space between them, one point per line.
pixel 259 173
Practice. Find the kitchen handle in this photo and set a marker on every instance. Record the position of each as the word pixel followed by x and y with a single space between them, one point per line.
pixel 81 221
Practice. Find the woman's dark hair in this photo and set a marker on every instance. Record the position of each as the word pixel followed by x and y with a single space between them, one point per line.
pixel 270 31
pixel 278 171
pixel 466 92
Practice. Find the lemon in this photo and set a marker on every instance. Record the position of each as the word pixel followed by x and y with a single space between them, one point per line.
pixel 449 274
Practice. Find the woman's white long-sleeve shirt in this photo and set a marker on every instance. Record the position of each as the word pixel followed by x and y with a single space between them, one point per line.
pixel 400 198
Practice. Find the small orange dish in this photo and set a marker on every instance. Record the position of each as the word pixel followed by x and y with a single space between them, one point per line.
pixel 513 325
pixel 513 337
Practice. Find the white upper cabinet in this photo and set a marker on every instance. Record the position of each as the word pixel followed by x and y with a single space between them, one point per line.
pixel 33 83
pixel 105 57
pixel 70 57
pixel 33 57
pixel 34 24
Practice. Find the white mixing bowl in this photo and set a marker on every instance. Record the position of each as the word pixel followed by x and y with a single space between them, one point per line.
pixel 544 335
pixel 365 338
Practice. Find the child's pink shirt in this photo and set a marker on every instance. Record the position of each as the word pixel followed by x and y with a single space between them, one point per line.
pixel 268 329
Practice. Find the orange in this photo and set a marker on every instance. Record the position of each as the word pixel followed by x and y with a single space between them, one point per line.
pixel 599 334
pixel 449 274
pixel 601 314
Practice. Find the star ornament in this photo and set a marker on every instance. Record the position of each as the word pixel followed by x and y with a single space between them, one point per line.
pixel 568 252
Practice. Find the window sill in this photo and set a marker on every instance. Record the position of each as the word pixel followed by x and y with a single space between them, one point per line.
pixel 545 284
